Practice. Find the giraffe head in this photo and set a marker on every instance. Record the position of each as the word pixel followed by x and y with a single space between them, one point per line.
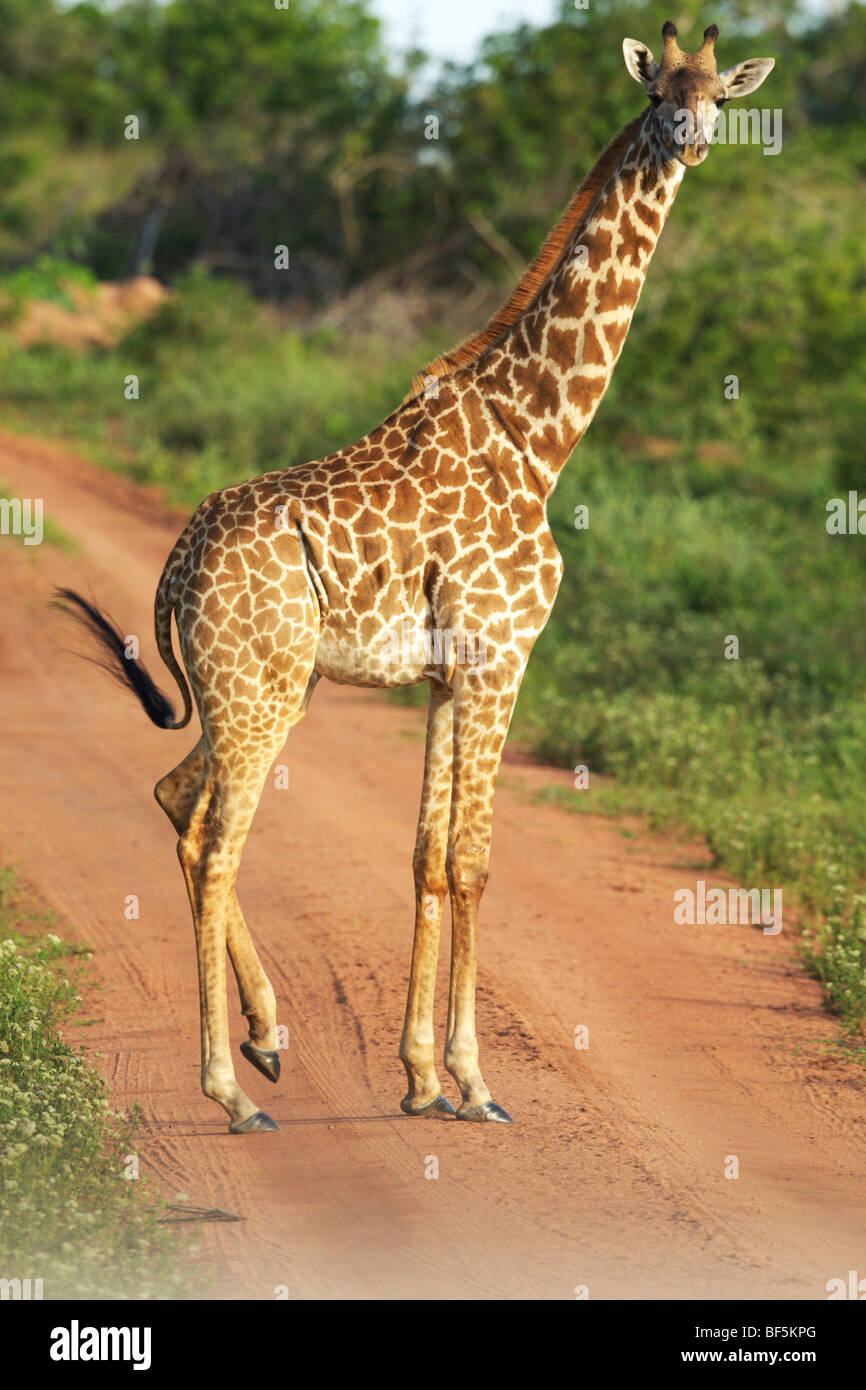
pixel 686 90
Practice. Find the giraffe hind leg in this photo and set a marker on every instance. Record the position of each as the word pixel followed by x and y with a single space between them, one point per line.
pixel 210 851
pixel 176 793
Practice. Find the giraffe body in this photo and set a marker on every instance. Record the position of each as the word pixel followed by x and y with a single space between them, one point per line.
pixel 350 566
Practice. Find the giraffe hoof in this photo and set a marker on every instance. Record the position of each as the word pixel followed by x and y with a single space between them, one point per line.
pixel 486 1112
pixel 255 1124
pixel 264 1059
pixel 439 1108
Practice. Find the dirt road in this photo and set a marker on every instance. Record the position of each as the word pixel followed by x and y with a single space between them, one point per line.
pixel 704 1042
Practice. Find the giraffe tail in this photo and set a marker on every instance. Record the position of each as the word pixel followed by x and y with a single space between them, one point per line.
pixel 113 653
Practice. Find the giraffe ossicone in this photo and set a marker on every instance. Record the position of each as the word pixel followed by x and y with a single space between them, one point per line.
pixel 437 520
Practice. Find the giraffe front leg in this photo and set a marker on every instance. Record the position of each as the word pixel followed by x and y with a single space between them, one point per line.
pixel 481 719
pixel 417 1045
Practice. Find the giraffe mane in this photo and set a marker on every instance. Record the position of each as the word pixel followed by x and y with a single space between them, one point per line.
pixel 536 274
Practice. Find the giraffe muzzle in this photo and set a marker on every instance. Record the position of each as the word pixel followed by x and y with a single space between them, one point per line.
pixel 694 154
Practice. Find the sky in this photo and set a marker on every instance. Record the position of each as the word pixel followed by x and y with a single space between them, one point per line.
pixel 454 28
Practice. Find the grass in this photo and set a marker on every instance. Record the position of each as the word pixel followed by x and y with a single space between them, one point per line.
pixel 69 1215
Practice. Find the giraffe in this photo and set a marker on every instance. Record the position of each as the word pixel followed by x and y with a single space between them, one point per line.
pixel 402 559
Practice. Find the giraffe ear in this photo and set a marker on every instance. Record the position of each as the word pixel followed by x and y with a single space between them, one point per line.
pixel 640 62
pixel 746 77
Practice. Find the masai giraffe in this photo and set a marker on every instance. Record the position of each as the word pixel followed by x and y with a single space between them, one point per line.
pixel 434 521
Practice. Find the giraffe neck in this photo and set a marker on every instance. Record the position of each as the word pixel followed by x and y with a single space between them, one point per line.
pixel 545 377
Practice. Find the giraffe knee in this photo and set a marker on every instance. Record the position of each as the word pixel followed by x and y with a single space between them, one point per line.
pixel 166 796
pixel 467 870
pixel 177 802
pixel 176 794
pixel 431 876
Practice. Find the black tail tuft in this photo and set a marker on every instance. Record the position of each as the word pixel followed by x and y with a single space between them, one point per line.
pixel 126 670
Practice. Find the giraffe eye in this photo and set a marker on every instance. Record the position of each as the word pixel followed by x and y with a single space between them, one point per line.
pixel 656 99
pixel 720 101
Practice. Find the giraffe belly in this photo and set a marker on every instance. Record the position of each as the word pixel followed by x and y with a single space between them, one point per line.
pixel 386 654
